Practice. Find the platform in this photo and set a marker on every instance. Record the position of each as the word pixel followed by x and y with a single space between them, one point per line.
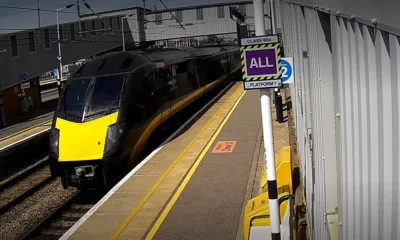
pixel 194 187
pixel 20 132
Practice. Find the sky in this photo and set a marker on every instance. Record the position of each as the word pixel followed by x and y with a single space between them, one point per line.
pixel 12 20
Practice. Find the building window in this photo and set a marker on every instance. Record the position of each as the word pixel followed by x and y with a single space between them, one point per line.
pixel 221 12
pixel 72 27
pixel 179 16
pixel 199 14
pixel 103 27
pixel 94 27
pixel 111 23
pixel 242 8
pixel 31 41
pixel 60 29
pixel 83 26
pixel 119 23
pixel 158 18
pixel 14 46
pixel 47 38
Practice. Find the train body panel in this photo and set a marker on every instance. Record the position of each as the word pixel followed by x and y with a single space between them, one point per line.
pixel 111 106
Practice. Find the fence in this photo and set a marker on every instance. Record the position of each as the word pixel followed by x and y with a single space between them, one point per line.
pixel 346 102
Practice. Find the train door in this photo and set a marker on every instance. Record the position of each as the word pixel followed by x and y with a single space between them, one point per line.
pixel 149 102
pixel 193 76
pixel 163 76
pixel 174 88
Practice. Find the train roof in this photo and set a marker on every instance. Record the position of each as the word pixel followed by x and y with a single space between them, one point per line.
pixel 174 55
pixel 117 62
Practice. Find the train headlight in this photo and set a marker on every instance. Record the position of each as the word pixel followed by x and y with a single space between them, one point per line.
pixel 54 140
pixel 114 133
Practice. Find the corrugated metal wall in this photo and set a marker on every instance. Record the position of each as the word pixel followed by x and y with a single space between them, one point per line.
pixel 346 105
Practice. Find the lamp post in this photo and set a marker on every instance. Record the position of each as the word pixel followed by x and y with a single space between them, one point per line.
pixel 3 117
pixel 59 49
pixel 122 30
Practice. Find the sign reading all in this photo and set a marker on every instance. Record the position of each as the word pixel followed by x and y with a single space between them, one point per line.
pixel 261 62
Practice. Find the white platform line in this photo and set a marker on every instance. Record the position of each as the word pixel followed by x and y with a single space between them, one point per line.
pixel 133 171
pixel 24 139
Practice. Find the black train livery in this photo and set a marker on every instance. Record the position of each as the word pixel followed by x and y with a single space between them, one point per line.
pixel 111 105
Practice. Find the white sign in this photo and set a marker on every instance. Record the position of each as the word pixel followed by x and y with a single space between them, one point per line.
pixel 55 72
pixel 25 85
pixel 262 84
pixel 287 70
pixel 259 40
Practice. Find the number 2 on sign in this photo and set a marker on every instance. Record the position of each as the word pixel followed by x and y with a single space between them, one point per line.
pixel 284 72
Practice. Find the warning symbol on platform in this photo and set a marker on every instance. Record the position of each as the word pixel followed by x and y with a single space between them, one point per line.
pixel 224 147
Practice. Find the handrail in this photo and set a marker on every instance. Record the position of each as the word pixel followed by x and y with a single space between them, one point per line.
pixel 289 197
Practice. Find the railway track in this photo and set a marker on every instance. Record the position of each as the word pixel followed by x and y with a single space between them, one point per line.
pixel 33 179
pixel 23 184
pixel 23 173
pixel 63 218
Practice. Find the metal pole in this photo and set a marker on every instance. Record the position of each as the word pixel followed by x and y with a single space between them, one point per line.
pixel 79 16
pixel 272 12
pixel 268 134
pixel 277 96
pixel 38 12
pixel 273 31
pixel 59 58
pixel 123 34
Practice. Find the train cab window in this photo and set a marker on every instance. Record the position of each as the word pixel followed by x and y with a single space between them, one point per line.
pixel 105 94
pixel 74 97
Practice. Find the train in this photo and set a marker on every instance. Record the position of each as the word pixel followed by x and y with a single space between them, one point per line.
pixel 110 106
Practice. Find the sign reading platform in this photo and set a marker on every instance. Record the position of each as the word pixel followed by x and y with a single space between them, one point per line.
pixel 261 62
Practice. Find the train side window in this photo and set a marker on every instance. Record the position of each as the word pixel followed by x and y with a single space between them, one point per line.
pixel 181 68
pixel 158 80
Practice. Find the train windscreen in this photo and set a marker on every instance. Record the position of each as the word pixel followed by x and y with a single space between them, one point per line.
pixel 74 97
pixel 105 94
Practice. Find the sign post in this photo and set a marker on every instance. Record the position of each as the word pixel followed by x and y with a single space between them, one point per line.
pixel 262 70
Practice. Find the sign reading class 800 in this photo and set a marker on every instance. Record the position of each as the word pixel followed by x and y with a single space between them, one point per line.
pixel 261 60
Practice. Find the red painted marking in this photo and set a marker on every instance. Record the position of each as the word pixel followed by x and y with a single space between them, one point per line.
pixel 224 147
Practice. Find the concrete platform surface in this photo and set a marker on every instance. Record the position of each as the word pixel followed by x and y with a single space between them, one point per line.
pixel 18 132
pixel 195 187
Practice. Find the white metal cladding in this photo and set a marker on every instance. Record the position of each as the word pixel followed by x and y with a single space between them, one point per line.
pixel 346 102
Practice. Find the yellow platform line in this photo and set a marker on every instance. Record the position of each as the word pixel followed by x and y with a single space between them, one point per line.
pixel 165 174
pixel 25 130
pixel 171 203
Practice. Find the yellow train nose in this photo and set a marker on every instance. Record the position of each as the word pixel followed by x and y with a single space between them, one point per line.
pixel 83 141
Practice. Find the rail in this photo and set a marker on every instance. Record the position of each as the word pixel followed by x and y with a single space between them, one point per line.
pixel 291 214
